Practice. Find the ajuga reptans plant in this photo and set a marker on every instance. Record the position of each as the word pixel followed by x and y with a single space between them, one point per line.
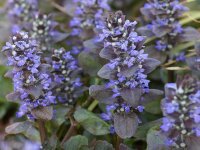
pixel 31 78
pixel 20 13
pixel 126 73
pixel 182 112
pixel 65 73
pixel 163 17
pixel 87 15
pixel 194 61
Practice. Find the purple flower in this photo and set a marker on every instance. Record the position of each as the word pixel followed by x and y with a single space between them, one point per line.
pixel 67 83
pixel 42 29
pixel 167 124
pixel 31 79
pixel 171 107
pixel 20 12
pixel 88 14
pixel 181 110
pixel 126 70
pixel 181 57
pixel 163 22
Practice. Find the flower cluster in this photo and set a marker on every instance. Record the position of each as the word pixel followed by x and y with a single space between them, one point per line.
pixel 21 12
pixel 87 15
pixel 31 79
pixel 29 19
pixel 43 30
pixel 194 61
pixel 65 69
pixel 181 110
pixel 164 23
pixel 127 68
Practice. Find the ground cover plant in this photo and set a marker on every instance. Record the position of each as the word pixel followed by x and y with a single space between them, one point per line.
pixel 100 75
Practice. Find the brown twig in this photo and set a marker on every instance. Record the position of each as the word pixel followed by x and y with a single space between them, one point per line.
pixel 72 128
pixel 118 142
pixel 60 8
pixel 42 130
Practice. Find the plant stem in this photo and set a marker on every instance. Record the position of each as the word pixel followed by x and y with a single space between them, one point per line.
pixel 72 128
pixel 170 76
pixel 93 105
pixel 118 142
pixel 69 133
pixel 42 130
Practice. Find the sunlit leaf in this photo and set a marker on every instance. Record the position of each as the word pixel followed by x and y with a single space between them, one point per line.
pixel 91 122
pixel 76 143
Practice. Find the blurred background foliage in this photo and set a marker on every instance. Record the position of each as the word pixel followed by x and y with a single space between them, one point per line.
pixel 158 78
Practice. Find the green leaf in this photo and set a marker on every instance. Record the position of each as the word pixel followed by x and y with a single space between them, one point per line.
pixel 181 47
pixel 4 27
pixel 26 128
pixel 153 53
pixel 32 133
pixel 90 62
pixel 3 109
pixel 76 143
pixel 52 143
pixel 59 114
pixel 18 127
pixel 153 107
pixel 156 140
pixel 190 16
pixel 142 130
pixel 103 145
pixel 6 85
pixel 91 122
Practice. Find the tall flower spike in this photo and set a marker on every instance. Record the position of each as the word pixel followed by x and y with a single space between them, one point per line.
pixel 126 72
pixel 87 15
pixel 163 17
pixel 31 79
pixel 86 19
pixel 181 107
pixel 65 72
pixel 20 12
pixel 43 30
pixel 194 61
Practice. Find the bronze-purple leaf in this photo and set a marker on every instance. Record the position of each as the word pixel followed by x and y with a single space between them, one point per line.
pixel 190 34
pixel 128 72
pixel 153 53
pixel 101 93
pixel 146 12
pixel 150 64
pixel 106 72
pixel 193 143
pixel 161 31
pixel 44 113
pixel 131 96
pixel 59 36
pixel 14 96
pixel 125 125
pixel 107 53
pixel 145 31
